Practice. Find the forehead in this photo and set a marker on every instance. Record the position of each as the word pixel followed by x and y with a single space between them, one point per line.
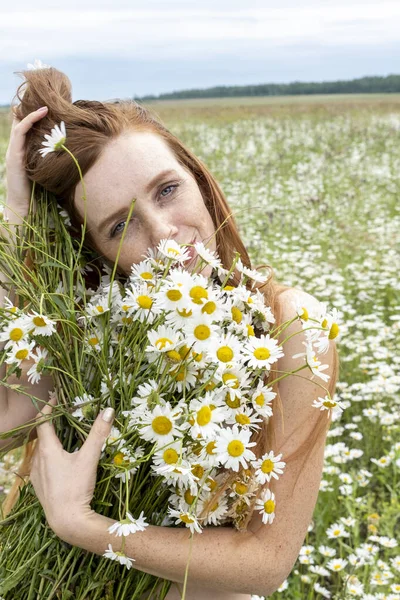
pixel 128 161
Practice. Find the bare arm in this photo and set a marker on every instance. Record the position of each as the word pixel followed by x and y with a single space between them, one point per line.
pixel 16 408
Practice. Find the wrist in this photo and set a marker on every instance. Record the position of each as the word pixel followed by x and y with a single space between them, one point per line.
pixel 83 530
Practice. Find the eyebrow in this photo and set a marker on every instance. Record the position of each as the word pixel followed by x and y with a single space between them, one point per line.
pixel 121 211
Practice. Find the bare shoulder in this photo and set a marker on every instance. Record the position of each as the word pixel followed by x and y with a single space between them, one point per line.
pixel 299 390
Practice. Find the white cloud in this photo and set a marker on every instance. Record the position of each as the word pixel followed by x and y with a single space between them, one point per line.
pixel 176 32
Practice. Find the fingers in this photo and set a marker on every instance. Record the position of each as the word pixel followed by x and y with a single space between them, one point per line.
pixel 45 431
pixel 19 128
pixel 91 449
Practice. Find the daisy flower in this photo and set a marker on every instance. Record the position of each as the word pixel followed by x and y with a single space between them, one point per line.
pixel 331 331
pixel 199 332
pixel 268 466
pixel 167 458
pixel 162 340
pixel 262 352
pixel 97 307
pixel 233 448
pixel 172 250
pixel 250 273
pixel 142 272
pixel 312 361
pixel 266 506
pixel 205 417
pixel 129 525
pixel 208 256
pixel 139 303
pixel 262 398
pixel 55 140
pixel 245 417
pixel 188 519
pixel 159 425
pixel 38 64
pixel 83 412
pixel 120 557
pixel 330 405
pixel 225 350
pixel 336 564
pixel 14 332
pixel 147 395
pixel 19 352
pixel 41 324
pixel 216 512
pixel 336 530
pixel 34 373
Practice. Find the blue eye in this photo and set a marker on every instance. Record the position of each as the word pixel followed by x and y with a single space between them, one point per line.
pixel 120 226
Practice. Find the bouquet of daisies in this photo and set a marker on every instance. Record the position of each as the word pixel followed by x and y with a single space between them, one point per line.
pixel 184 359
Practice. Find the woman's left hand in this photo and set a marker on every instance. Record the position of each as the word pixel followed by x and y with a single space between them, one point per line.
pixel 64 482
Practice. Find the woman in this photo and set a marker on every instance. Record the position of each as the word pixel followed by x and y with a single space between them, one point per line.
pixel 125 152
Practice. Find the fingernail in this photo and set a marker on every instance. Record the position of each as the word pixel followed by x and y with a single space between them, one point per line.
pixel 108 415
pixel 42 109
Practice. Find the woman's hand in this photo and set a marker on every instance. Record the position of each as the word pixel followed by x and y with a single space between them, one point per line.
pixel 64 482
pixel 17 182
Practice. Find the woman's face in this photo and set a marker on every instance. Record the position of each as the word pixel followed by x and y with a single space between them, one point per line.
pixel 168 203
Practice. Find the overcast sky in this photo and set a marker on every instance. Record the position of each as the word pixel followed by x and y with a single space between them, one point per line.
pixel 121 49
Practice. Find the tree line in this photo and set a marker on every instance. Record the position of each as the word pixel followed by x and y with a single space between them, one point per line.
pixel 364 85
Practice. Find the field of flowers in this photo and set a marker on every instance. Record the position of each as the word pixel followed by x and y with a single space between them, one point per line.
pixel 315 189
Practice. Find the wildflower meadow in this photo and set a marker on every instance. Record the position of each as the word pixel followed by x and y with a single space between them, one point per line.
pixel 314 186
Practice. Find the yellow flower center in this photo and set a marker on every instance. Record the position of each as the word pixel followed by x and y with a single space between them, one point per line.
pixel 336 532
pixel 189 498
pixel 170 456
pixel 126 320
pixel 242 419
pixel 184 351
pixel 40 322
pixel 202 332
pixel 198 471
pixel 334 331
pixel 174 356
pixel 259 400
pixel 93 341
pixel 269 506
pixel 210 386
pixel 324 323
pixel 185 313
pixel 204 416
pixel 198 294
pixel 235 448
pixel 161 425
pixel 179 374
pixel 209 307
pixel 267 466
pixel 99 309
pixel 250 330
pixel 261 353
pixel 186 518
pixel 232 402
pixel 224 354
pixel 228 288
pixel 144 302
pixel 174 295
pixel 16 334
pixel 119 459
pixel 329 404
pixel 240 488
pixel 162 342
pixel 237 314
pixel 210 448
pixel 231 379
pixel 212 484
pixel 22 354
pixel 146 275
pixel 197 356
pixel 125 307
pixel 304 314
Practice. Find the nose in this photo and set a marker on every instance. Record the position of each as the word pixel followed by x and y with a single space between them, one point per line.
pixel 159 228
